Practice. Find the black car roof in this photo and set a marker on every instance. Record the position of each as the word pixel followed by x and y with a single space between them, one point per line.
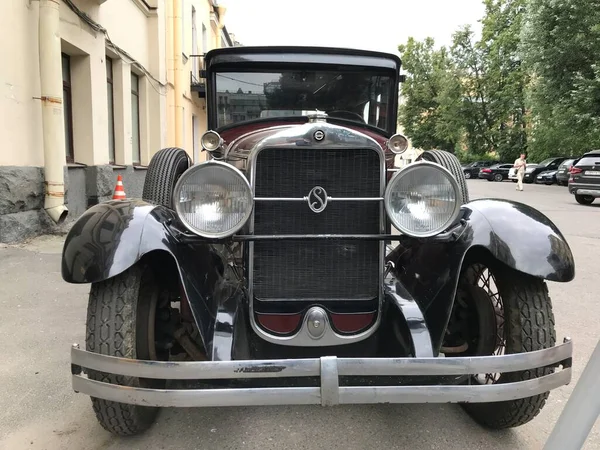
pixel 592 153
pixel 302 55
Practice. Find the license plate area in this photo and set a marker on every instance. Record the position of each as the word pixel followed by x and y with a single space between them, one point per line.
pixel 593 173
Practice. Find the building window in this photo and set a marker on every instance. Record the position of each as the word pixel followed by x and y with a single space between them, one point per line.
pixel 204 40
pixel 111 110
pixel 135 118
pixel 67 107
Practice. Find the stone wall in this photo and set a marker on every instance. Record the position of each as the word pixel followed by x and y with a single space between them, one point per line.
pixel 22 196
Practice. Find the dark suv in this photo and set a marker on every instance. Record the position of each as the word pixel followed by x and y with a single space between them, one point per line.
pixel 547 164
pixel 585 178
pixel 472 170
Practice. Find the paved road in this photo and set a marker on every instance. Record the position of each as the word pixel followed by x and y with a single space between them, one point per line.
pixel 41 316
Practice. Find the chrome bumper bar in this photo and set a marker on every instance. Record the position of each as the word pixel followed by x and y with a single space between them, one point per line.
pixel 328 369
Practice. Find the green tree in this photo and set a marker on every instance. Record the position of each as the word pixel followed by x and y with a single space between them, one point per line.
pixel 427 83
pixel 561 46
pixel 505 76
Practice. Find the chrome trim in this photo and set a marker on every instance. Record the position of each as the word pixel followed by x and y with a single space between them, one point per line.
pixel 329 199
pixel 336 137
pixel 240 138
pixel 328 369
pixel 391 147
pixel 413 167
pixel 590 192
pixel 197 167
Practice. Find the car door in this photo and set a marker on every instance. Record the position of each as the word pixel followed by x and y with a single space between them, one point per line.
pixel 504 169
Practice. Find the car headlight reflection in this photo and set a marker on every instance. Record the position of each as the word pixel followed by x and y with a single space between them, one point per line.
pixel 423 199
pixel 213 199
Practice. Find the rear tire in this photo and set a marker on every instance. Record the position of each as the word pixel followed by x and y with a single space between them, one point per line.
pixel 527 324
pixel 450 162
pixel 584 199
pixel 120 322
pixel 498 177
pixel 165 168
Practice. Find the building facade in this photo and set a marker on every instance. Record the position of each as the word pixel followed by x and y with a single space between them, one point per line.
pixel 93 90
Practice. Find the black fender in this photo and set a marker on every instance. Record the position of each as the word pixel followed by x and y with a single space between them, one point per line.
pixel 513 233
pixel 111 237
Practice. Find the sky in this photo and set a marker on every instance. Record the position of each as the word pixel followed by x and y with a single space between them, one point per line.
pixel 365 24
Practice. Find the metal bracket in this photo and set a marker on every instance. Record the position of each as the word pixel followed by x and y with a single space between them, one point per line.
pixel 330 381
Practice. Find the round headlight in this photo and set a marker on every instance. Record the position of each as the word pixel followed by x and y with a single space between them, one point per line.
pixel 423 199
pixel 397 144
pixel 213 199
pixel 211 141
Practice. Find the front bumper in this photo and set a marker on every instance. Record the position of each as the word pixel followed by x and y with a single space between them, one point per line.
pixel 327 370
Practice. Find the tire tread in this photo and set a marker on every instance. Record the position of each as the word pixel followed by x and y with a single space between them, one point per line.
pixel 529 323
pixel 110 327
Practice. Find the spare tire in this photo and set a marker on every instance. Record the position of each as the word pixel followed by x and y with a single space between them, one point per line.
pixel 165 168
pixel 450 162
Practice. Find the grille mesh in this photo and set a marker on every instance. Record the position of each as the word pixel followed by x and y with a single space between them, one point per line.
pixel 319 269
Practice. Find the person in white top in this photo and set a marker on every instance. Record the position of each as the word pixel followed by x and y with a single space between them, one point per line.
pixel 520 165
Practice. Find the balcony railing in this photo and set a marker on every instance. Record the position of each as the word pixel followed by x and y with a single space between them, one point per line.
pixel 197 77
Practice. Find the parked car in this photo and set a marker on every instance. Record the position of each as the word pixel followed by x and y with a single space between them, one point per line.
pixel 584 182
pixel 512 173
pixel 563 173
pixel 472 170
pixel 265 271
pixel 497 172
pixel 547 177
pixel 531 173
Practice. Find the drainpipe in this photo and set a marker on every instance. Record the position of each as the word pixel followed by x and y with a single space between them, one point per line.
pixel 178 71
pixel 52 110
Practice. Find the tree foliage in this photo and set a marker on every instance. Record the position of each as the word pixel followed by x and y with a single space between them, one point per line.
pixel 531 83
pixel 561 43
pixel 420 112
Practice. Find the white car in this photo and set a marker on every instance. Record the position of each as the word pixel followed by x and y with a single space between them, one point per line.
pixel 512 173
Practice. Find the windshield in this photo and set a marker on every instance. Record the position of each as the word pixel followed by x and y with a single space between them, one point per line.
pixel 360 96
pixel 547 161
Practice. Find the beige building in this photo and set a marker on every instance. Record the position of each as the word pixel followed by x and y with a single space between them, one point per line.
pixel 96 86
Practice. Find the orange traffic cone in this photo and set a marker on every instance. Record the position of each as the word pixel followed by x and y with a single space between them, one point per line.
pixel 119 190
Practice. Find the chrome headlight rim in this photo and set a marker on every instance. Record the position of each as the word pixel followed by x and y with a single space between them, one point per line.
pixel 397 138
pixel 410 168
pixel 204 166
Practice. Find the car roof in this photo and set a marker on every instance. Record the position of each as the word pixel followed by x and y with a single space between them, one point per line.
pixel 302 55
pixel 592 153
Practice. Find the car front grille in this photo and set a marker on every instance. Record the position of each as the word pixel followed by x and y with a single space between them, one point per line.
pixel 342 269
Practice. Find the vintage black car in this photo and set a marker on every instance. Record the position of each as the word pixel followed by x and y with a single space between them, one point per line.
pixel 297 266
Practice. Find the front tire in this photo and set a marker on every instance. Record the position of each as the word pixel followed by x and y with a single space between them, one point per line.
pixel 584 199
pixel 519 319
pixel 450 162
pixel 121 321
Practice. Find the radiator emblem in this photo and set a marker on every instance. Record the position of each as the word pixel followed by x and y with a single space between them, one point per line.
pixel 319 135
pixel 317 199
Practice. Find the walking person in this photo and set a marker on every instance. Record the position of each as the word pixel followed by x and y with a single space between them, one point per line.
pixel 520 165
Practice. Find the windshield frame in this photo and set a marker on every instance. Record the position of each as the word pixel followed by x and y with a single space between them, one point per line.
pixel 245 59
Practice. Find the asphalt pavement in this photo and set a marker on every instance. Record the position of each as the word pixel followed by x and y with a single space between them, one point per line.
pixel 41 316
